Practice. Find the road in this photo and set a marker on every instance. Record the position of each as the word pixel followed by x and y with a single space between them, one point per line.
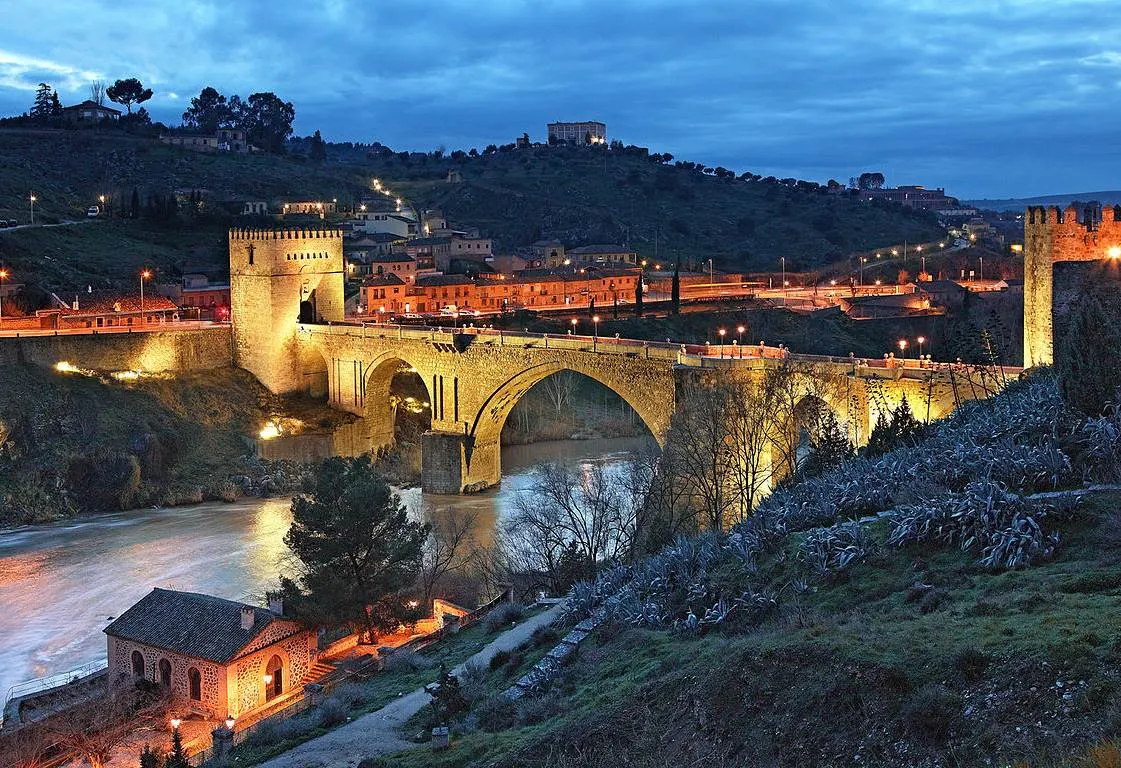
pixel 66 223
pixel 185 325
pixel 376 733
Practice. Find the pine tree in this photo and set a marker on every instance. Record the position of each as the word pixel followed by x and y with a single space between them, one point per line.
pixel 56 105
pixel 829 449
pixel 41 109
pixel 176 758
pixel 150 758
pixel 317 152
pixel 638 296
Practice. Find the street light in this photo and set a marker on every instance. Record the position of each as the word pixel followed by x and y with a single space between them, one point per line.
pixel 903 348
pixel 595 331
pixel 3 275
pixel 33 199
pixel 783 281
pixel 1114 252
pixel 175 723
pixel 863 261
pixel 921 340
pixel 722 332
pixel 229 724
pixel 144 275
pixel 573 331
pixel 739 334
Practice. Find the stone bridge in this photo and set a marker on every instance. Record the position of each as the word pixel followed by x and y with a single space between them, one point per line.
pixel 474 377
pixel 287 304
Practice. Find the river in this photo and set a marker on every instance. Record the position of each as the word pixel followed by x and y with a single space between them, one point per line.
pixel 61 584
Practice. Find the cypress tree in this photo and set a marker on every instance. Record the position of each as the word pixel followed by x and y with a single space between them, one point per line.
pixel 1089 360
pixel 638 296
pixel 675 289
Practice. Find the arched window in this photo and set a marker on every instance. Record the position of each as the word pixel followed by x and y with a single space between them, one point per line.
pixel 194 684
pixel 137 664
pixel 165 673
pixel 274 678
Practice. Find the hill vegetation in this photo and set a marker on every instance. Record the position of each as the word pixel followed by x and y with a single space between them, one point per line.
pixel 664 208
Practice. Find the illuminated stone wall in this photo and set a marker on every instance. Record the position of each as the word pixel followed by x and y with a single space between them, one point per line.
pixel 271 273
pixel 1051 236
pixel 153 352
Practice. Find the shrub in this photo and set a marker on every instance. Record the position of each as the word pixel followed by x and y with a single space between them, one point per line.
pixel 971 663
pixel 544 636
pixel 933 600
pixel 331 712
pixel 496 713
pixel 502 616
pixel 407 660
pixel 930 712
pixel 472 682
pixel 536 709
pixel 499 659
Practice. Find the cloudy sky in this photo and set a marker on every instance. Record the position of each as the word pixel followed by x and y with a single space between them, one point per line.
pixel 985 98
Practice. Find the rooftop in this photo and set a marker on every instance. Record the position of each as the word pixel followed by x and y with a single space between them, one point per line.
pixel 189 623
pixel 599 248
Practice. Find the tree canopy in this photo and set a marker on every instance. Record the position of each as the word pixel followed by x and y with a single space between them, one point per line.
pixel 128 92
pixel 357 549
pixel 265 117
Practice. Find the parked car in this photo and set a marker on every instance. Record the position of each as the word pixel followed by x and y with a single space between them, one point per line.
pixel 93 212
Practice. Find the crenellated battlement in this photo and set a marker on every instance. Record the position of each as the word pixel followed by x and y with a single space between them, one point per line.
pixel 246 234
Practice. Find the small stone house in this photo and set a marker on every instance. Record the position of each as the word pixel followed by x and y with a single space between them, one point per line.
pixel 219 657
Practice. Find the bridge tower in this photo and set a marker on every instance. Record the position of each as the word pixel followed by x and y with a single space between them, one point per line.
pixel 279 278
pixel 1052 236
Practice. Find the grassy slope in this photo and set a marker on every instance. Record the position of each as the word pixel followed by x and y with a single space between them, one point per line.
pixel 846 670
pixel 515 197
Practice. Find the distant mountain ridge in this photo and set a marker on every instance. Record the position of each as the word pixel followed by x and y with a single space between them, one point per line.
pixel 1019 203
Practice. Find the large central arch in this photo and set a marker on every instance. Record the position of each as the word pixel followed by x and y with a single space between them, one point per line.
pixel 376 396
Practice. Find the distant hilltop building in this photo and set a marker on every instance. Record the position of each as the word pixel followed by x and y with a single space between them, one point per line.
pixel 222 140
pixel 594 132
pixel 913 196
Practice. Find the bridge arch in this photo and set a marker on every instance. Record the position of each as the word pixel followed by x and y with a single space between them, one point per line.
pixel 378 407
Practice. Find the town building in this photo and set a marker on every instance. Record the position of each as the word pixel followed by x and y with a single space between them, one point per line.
pixel 547 253
pixel 210 300
pixel 385 222
pixel 255 208
pixel 222 140
pixel 89 112
pixel 602 254
pixel 108 309
pixel 318 208
pixel 913 196
pixel 429 251
pixel 218 658
pixel 578 132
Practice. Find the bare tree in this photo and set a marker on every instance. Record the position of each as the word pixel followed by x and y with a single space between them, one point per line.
pixel 558 390
pixel 94 728
pixel 580 507
pixel 447 548
pixel 750 433
pixel 25 747
pixel 97 93
pixel 699 448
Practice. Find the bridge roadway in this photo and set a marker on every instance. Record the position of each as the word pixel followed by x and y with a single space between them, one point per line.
pixel 474 377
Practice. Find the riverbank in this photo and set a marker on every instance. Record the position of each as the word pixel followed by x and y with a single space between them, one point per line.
pixel 75 443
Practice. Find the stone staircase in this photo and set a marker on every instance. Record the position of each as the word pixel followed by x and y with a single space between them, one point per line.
pixel 319 670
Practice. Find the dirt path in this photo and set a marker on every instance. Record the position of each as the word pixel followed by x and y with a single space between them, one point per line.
pixel 376 733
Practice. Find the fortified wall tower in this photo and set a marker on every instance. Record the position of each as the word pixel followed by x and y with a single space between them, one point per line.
pixel 278 278
pixel 1051 235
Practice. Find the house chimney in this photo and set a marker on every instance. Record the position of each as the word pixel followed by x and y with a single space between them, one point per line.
pixel 276 603
pixel 248 615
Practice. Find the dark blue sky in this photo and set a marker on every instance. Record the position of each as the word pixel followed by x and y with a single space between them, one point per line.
pixel 1011 98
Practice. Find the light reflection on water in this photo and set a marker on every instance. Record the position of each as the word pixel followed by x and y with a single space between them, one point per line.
pixel 61 584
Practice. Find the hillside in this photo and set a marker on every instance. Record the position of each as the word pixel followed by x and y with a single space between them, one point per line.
pixel 578 195
pixel 1020 203
pixel 938 605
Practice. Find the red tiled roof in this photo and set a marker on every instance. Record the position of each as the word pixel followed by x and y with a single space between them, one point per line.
pixel 109 302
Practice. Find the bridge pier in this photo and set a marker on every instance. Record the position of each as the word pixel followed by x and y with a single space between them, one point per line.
pixel 454 463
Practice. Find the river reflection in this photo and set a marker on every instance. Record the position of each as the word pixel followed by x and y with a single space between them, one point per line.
pixel 60 585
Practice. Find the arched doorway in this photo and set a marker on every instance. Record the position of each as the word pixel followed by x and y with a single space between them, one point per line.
pixel 194 684
pixel 137 664
pixel 274 678
pixel 165 673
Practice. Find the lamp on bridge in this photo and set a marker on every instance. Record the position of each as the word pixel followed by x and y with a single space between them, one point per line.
pixel 573 321
pixel 921 340
pixel 595 331
pixel 3 275
pixel 903 348
pixel 722 332
pixel 1114 252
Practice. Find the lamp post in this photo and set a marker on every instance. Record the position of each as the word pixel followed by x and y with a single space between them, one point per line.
pixel 783 281
pixel 573 331
pixel 982 276
pixel 863 261
pixel 3 275
pixel 595 332
pixel 739 334
pixel 903 348
pixel 721 332
pixel 33 199
pixel 144 275
pixel 175 723
pixel 920 340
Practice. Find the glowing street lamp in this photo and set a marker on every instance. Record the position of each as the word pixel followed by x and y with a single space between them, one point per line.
pixel 739 334
pixel 863 261
pixel 903 348
pixel 3 276
pixel 921 340
pixel 1114 252
pixel 595 331
pixel 722 332
pixel 32 198
pixel 144 275
pixel 230 724
pixel 175 723
pixel 268 679
pixel 573 321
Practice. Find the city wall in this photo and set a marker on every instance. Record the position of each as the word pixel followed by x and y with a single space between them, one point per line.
pixel 149 352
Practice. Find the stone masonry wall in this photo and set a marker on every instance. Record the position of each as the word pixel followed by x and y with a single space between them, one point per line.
pixel 153 352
